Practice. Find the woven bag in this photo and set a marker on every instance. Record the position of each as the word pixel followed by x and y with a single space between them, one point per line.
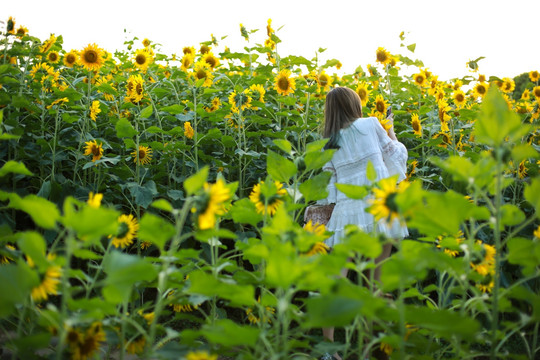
pixel 318 213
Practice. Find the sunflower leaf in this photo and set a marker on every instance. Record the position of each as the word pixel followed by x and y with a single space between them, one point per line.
pixel 280 168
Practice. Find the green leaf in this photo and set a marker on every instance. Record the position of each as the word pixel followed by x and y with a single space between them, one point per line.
pixel 444 323
pixel 83 221
pixel 207 284
pixel 280 168
pixel 43 212
pixel 496 122
pixel 147 112
pixel 226 332
pixel 524 151
pixel 524 252
pixel 243 211
pixel 17 282
pixel 331 310
pixel 124 128
pixel 316 160
pixel 361 242
pixel 14 167
pixel 162 204
pixel 284 145
pixel 156 230
pixel 532 194
pixel 19 101
pixel 353 191
pixel 411 47
pixel 511 215
pixel 315 188
pixel 123 272
pixel 371 173
pixel 173 109
pixel 196 181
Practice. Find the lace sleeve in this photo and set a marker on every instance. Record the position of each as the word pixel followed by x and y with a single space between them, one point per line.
pixel 331 188
pixel 394 153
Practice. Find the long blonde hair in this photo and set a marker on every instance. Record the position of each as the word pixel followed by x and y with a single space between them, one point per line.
pixel 342 107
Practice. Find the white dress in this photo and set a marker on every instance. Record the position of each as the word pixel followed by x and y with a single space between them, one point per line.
pixel 363 141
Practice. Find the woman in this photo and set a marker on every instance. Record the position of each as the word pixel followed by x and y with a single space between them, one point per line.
pixel 358 141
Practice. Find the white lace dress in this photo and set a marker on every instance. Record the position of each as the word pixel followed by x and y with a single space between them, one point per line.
pixel 363 141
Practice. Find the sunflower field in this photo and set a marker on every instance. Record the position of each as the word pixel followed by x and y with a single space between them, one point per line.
pixel 152 207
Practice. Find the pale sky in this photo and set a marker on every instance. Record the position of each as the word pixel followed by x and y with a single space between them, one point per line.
pixel 447 33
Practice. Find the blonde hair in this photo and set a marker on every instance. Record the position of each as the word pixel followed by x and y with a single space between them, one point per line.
pixel 342 107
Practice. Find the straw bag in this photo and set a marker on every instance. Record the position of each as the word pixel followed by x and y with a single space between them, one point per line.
pixel 318 213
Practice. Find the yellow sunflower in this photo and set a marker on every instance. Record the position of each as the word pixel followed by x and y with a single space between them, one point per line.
pixel 526 95
pixel 534 76
pixel 420 79
pixel 53 57
pixel 47 44
pixel 70 58
pixel 94 110
pixel 268 205
pixel 94 200
pixel 258 89
pixel 10 27
pixel 240 101
pixel 85 346
pixel 363 93
pixel 216 104
pixel 459 99
pixel 6 259
pixel 508 85
pixel 480 89
pixel 127 230
pixel 189 50
pixel 416 125
pixel 135 90
pixel 200 355
pixel 447 140
pixel 269 43
pixel 383 206
pixel 536 93
pixel 188 130
pixel 21 31
pixel 324 80
pixel 136 346
pixel 216 196
pixel 146 42
pixel 204 49
pixel 94 149
pixel 202 71
pixel 91 57
pixel 382 56
pixel 142 59
pixel 486 287
pixel 49 284
pixel 284 83
pixel 381 106
pixel 144 155
pixel 211 60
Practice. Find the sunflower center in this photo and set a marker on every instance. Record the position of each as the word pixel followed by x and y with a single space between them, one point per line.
pixel 362 93
pixel 380 106
pixel 212 61
pixel 283 83
pixel 460 97
pixel 140 59
pixel 95 150
pixel 420 79
pixel 381 56
pixel 416 126
pixel 323 80
pixel 123 230
pixel 204 49
pixel 53 56
pixel 138 89
pixel 90 56
pixel 201 74
pixel 70 58
pixel 391 202
pixel 481 89
pixel 537 92
pixel 142 154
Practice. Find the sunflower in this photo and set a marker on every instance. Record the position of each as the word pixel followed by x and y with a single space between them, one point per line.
pixel 382 56
pixel 188 130
pixel 216 104
pixel 85 346
pixel 202 71
pixel 91 57
pixel 459 98
pixel 47 44
pixel 537 232
pixel 480 89
pixel 383 206
pixel 144 155
pixel 10 27
pixel 53 57
pixel 324 80
pixel 71 58
pixel 420 79
pixel 269 30
pixel 94 110
pixel 253 319
pixel 284 84
pixel 135 90
pixel 240 101
pixel 363 93
pixel 447 140
pixel 444 108
pixel 416 125
pixel 58 102
pixel 216 196
pixel 200 355
pixel 258 89
pixel 146 42
pixel 536 93
pixel 459 239
pixel 526 95
pixel 6 259
pixel 244 32
pixel 136 346
pixel 484 264
pixel 94 200
pixel 381 106
pixel 413 164
pixel 534 76
pixel 211 60
pixel 48 285
pixel 264 204
pixel 126 232
pixel 481 78
pixel 142 59
pixel 485 287
pixel 187 61
pixel 107 96
pixel 269 43
pixel 508 85
pixel 204 49
pixel 94 149
pixel 188 50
